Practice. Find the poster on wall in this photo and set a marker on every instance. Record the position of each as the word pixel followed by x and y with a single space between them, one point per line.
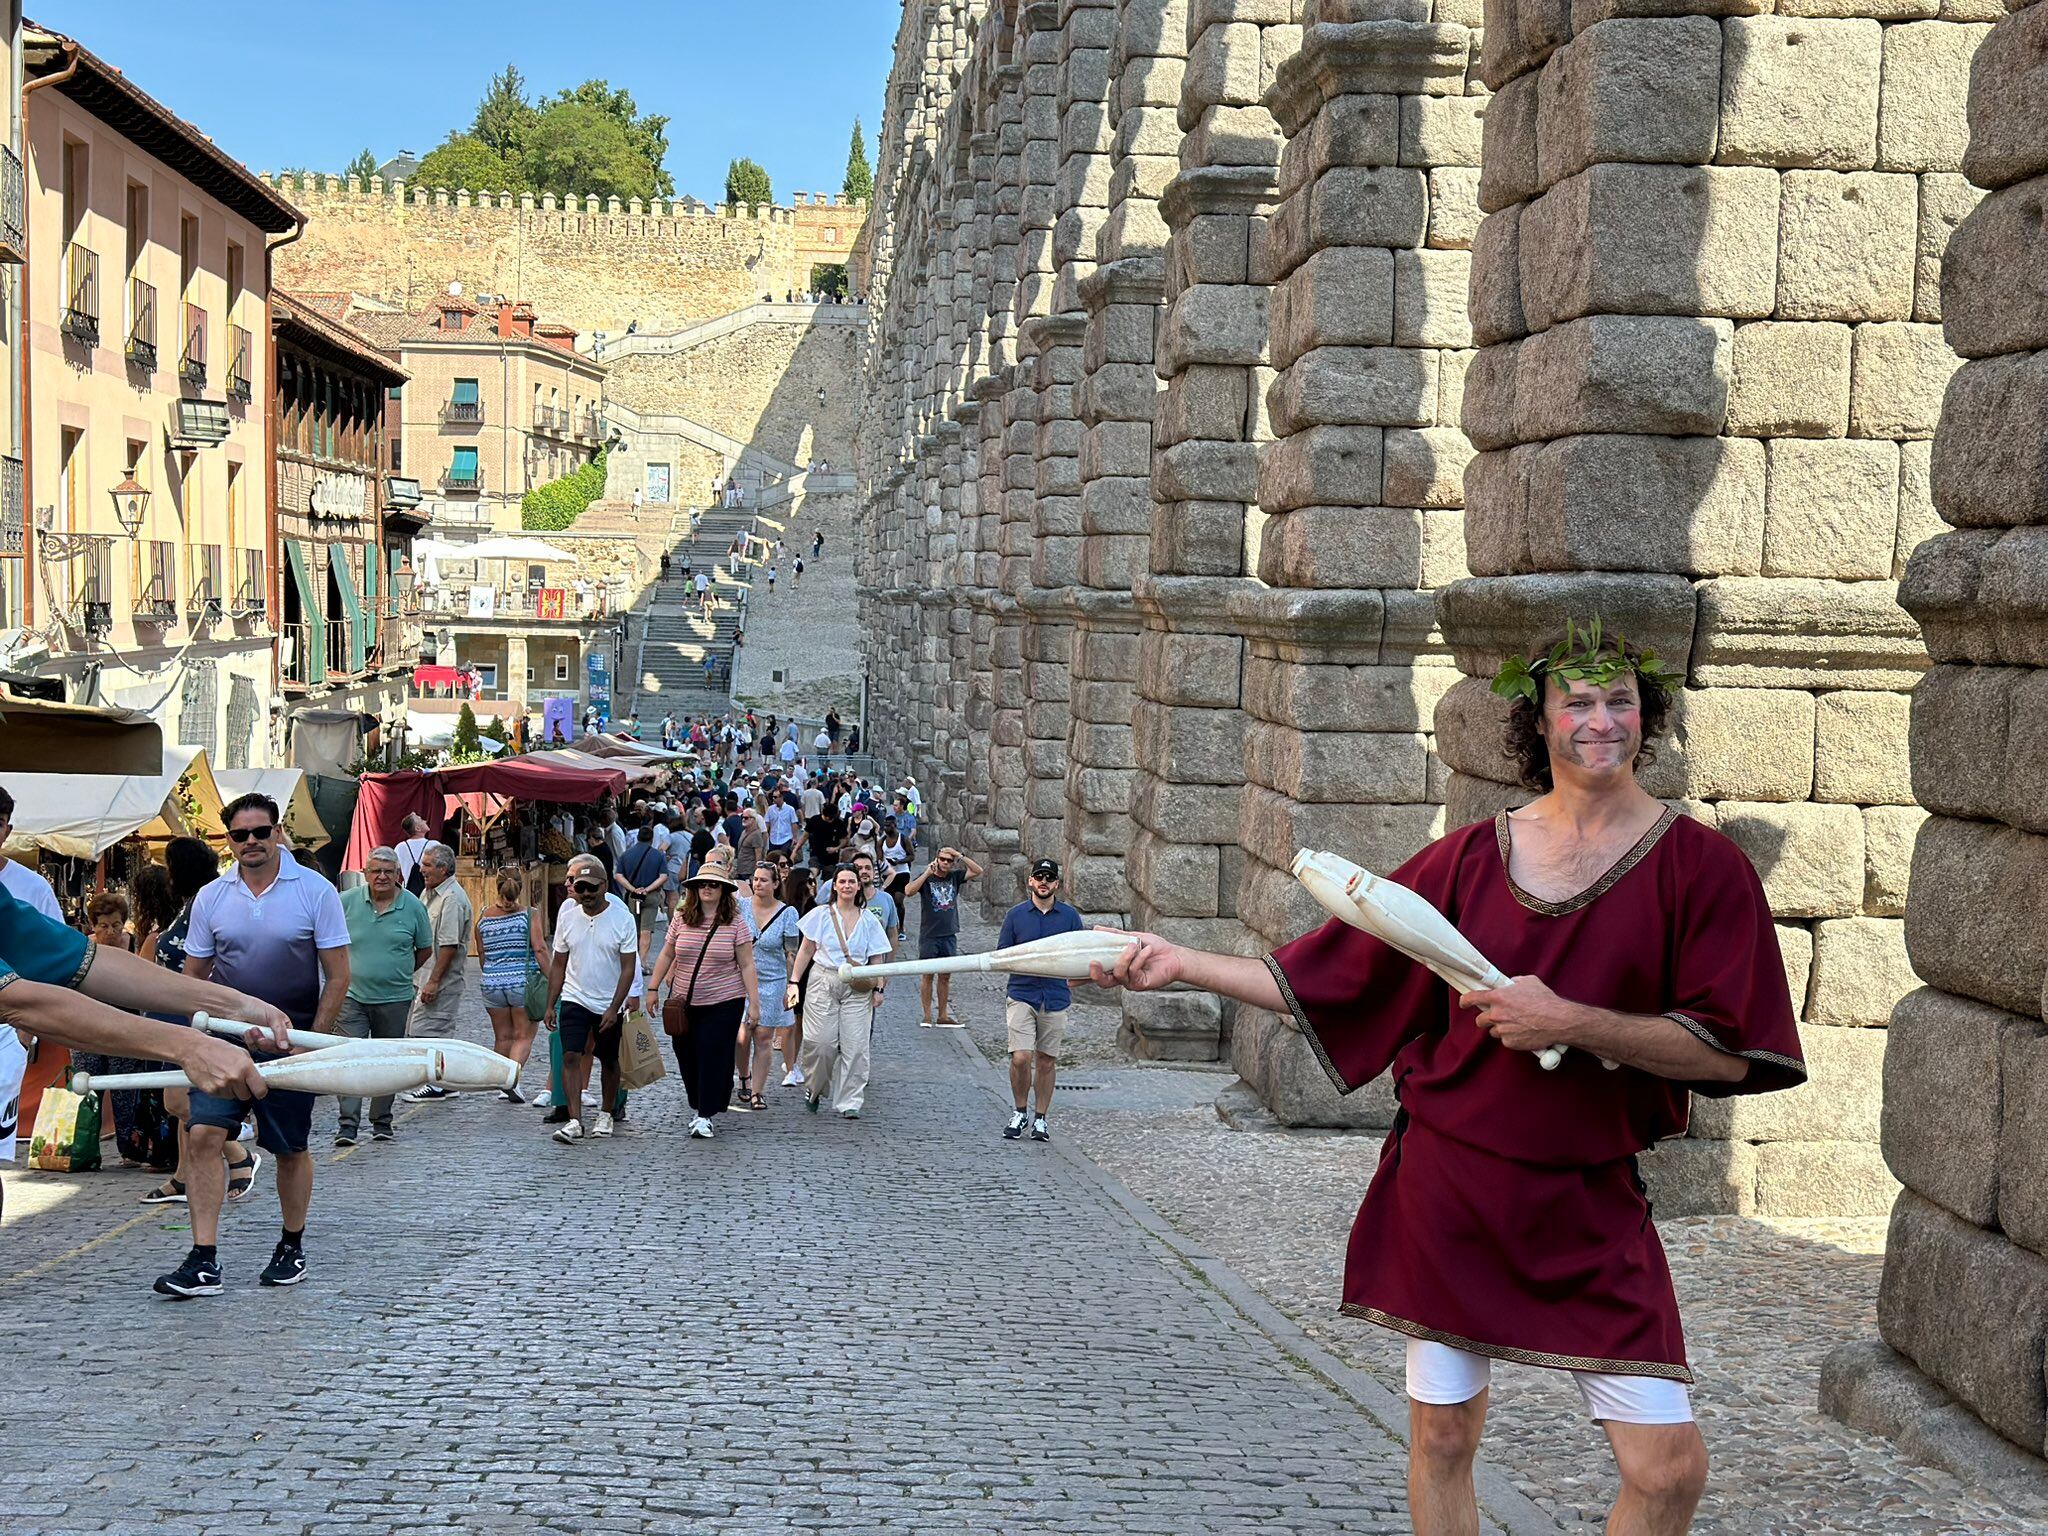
pixel 551 603
pixel 483 602
pixel 601 685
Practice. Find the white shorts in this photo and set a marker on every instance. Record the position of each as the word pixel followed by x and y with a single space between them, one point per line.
pixel 1439 1373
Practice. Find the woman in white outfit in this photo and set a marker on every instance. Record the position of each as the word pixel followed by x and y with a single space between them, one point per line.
pixel 838 1021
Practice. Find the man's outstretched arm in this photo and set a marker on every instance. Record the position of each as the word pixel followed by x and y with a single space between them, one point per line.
pixel 123 980
pixel 1154 963
pixel 215 1066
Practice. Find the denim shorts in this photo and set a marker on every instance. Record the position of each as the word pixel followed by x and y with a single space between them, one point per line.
pixel 283 1119
pixel 511 995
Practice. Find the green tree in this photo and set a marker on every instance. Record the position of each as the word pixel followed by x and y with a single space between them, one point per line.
pixel 859 185
pixel 496 731
pixel 505 117
pixel 580 150
pixel 554 506
pixel 467 745
pixel 363 167
pixel 647 133
pixel 746 182
pixel 463 160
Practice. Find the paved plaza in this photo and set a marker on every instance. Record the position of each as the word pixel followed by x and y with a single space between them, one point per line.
pixel 901 1324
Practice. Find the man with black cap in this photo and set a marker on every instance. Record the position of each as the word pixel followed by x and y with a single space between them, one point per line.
pixel 1037 1007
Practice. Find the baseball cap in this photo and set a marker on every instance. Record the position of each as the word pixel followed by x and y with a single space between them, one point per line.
pixel 1047 869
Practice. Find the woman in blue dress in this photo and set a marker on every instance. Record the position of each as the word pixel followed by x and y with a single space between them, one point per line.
pixel 772 921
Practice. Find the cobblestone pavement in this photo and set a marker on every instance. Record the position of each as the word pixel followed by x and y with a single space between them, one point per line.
pixel 1764 1301
pixel 902 1323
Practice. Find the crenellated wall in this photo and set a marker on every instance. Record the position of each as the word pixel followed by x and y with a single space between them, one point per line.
pixel 596 264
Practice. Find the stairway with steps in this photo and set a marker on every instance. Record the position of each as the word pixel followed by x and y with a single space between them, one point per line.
pixel 675 637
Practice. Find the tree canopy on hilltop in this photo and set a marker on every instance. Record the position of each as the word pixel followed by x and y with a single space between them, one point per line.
pixel 588 140
pixel 746 182
pixel 859 185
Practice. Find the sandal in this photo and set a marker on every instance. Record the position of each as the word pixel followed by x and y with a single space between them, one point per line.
pixel 242 1176
pixel 170 1192
pixel 755 1101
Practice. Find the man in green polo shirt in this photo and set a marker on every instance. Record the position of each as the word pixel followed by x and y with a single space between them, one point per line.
pixel 389 937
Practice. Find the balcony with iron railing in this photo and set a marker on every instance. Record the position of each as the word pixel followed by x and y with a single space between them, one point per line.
pixel 204 606
pixel 456 478
pixel 463 412
pixel 13 503
pixel 551 421
pixel 192 362
pixel 239 385
pixel 13 208
pixel 252 592
pixel 587 429
pixel 141 347
pixel 156 593
pixel 81 320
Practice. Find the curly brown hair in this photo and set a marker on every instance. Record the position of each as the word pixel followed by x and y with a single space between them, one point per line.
pixel 1526 749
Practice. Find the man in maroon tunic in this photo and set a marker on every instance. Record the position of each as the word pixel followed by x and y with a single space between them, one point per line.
pixel 1507 1220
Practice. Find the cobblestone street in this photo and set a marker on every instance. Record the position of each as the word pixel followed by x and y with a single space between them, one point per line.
pixel 901 1324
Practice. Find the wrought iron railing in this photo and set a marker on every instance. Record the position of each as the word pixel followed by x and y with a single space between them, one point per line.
pixel 141 348
pixel 239 385
pixel 13 207
pixel 455 479
pixel 81 320
pixel 468 411
pixel 192 362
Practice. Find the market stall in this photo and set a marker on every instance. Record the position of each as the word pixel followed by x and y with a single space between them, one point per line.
pixel 294 797
pixel 82 815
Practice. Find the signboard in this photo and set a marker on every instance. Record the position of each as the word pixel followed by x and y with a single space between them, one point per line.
pixel 601 684
pixel 558 721
pixel 340 495
pixel 483 602
pixel 658 484
pixel 551 603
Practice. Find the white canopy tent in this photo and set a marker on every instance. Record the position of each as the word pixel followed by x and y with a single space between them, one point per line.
pixel 82 815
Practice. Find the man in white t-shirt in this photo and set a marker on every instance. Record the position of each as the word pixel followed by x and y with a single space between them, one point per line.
pixel 594 971
pixel 814 801
pixel 787 751
pixel 799 775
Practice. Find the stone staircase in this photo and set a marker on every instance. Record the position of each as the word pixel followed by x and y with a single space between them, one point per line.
pixel 675 636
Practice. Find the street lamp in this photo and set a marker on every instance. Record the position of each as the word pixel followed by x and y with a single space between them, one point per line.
pixel 131 503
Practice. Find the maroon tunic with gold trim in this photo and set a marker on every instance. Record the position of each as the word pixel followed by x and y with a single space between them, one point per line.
pixel 1506 1217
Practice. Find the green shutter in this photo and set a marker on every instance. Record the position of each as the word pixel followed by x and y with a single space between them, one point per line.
pixel 310 611
pixel 352 606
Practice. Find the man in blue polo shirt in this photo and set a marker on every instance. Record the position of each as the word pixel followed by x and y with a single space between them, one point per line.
pixel 275 928
pixel 1037 1009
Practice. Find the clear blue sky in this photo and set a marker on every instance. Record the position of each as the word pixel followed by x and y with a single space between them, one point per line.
pixel 286 82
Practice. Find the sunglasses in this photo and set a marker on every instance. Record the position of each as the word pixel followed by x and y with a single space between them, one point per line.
pixel 586 887
pixel 243 834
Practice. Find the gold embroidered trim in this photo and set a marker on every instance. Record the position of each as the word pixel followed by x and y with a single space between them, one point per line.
pixel 78 976
pixel 1516 1356
pixel 1700 1031
pixel 1315 1042
pixel 1621 866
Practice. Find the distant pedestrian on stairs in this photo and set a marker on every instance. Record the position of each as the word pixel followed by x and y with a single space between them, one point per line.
pixel 797 580
pixel 818 544
pixel 704 590
pixel 771 581
pixel 710 669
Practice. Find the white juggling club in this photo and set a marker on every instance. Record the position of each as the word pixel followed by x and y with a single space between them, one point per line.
pixel 1407 922
pixel 1062 957
pixel 464 1064
pixel 346 1074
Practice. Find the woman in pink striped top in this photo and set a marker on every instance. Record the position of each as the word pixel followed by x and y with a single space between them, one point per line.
pixel 708 966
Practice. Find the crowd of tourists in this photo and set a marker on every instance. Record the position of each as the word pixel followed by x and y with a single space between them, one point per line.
pixel 719 907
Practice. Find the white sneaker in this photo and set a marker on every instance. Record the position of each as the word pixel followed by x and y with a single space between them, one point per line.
pixel 701 1127
pixel 794 1078
pixel 542 1100
pixel 572 1132
pixel 603 1126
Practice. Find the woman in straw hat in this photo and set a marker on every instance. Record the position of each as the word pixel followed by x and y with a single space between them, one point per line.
pixel 708 967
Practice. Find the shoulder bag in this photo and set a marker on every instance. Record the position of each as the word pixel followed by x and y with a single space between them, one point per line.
pixel 675 1013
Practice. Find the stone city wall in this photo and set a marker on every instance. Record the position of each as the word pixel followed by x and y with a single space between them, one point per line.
pixel 1247 377
pixel 759 385
pixel 582 262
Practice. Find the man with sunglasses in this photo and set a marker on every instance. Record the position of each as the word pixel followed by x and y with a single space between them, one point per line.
pixel 595 968
pixel 1036 1012
pixel 275 930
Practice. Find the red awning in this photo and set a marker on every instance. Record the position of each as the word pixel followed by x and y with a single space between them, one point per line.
pixel 385 799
